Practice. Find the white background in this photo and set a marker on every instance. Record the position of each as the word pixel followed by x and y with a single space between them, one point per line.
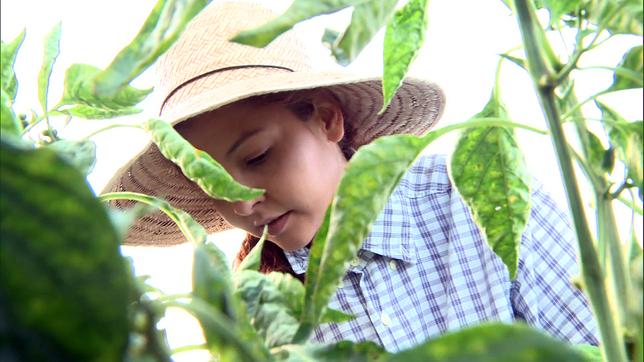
pixel 460 54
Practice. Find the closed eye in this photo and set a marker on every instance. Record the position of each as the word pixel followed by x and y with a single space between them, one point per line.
pixel 257 160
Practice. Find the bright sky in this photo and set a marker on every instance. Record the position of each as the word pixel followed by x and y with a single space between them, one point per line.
pixel 461 53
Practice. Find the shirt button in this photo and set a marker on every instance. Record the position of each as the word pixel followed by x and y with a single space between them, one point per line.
pixel 355 262
pixel 384 318
pixel 392 264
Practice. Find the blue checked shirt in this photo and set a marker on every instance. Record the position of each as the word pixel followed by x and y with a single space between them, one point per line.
pixel 425 269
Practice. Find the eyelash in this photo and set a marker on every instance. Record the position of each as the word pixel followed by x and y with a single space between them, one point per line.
pixel 257 160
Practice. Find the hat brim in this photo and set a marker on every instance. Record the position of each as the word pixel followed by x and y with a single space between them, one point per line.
pixel 415 108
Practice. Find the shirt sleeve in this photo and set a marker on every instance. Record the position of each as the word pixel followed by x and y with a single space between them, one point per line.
pixel 543 294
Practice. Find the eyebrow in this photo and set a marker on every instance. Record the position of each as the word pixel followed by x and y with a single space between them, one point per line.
pixel 242 138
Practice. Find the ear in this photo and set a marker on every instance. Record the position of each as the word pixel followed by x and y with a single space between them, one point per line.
pixel 328 112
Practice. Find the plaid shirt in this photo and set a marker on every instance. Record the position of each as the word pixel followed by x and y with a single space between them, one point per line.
pixel 426 269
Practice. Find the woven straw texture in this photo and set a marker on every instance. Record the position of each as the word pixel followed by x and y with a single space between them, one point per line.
pixel 203 71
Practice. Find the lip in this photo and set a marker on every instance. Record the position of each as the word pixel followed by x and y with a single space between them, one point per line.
pixel 276 226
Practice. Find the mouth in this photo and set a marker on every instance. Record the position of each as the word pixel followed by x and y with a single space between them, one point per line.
pixel 276 226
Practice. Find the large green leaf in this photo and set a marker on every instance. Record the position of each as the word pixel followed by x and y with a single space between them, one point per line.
pixel 253 260
pixel 341 351
pixel 558 8
pixel 492 342
pixel 79 90
pixel 52 49
pixel 162 28
pixel 404 37
pixel 299 10
pixel 268 308
pixel 489 172
pixel 369 179
pixel 8 53
pixel 198 165
pixel 617 16
pixel 366 21
pixel 629 72
pixel 81 154
pixel 211 278
pixel 63 282
pixel 627 138
pixel 9 123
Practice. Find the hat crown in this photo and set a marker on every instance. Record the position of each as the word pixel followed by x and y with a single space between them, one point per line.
pixel 204 57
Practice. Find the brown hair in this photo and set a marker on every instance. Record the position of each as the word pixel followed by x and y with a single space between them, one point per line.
pixel 300 103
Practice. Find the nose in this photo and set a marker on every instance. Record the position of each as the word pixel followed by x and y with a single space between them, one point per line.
pixel 246 208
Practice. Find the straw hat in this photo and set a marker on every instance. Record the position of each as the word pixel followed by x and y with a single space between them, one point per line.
pixel 203 71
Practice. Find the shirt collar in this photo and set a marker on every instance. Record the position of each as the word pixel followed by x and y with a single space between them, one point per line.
pixel 390 236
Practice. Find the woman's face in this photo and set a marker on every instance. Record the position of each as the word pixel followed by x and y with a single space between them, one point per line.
pixel 297 162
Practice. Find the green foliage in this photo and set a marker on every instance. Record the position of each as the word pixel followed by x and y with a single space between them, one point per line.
pixel 9 123
pixel 616 16
pixel 61 273
pixel 160 30
pixel 254 258
pixel 81 154
pixel 488 169
pixel 629 72
pixel 211 280
pixel 8 53
pixel 341 351
pixel 52 49
pixel 492 342
pixel 298 11
pixel 404 37
pixel 197 165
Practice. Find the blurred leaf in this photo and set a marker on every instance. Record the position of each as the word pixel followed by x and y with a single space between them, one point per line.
pixel 335 316
pixel 268 308
pixel 52 49
pixel 80 154
pixel 489 172
pixel 493 342
pixel 8 52
pixel 366 21
pixel 330 37
pixel 79 90
pixel 627 138
pixel 341 351
pixel 299 10
pixel 197 165
pixel 558 8
pixel 617 16
pixel 518 61
pixel 591 353
pixel 123 219
pixel 63 281
pixel 253 260
pixel 192 230
pixel 160 30
pixel 597 155
pixel 629 71
pixel 212 283
pixel 403 38
pixel 9 123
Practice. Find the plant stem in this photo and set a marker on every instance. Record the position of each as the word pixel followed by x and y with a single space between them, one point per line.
pixel 612 340
pixel 117 125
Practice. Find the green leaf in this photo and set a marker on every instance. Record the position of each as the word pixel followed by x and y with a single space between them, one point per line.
pixel 197 165
pixel 335 316
pixel 9 123
pixel 160 30
pixel 52 49
pixel 211 279
pixel 369 179
pixel 269 310
pixel 518 61
pixel 8 52
pixel 629 74
pixel 63 282
pixel 627 138
pixel 253 260
pixel 493 342
pixel 489 172
pixel 192 230
pixel 558 8
pixel 91 112
pixel 299 10
pixel 366 21
pixel 341 351
pixel 617 16
pixel 597 155
pixel 403 38
pixel 79 90
pixel 80 154
pixel 591 353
